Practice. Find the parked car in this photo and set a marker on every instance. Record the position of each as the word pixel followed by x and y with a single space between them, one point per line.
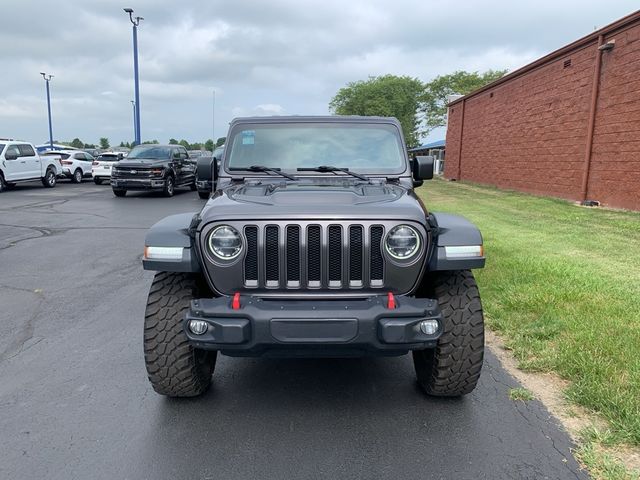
pixel 154 167
pixel 95 152
pixel 199 153
pixel 315 244
pixel 76 164
pixel 20 162
pixel 102 165
pixel 207 172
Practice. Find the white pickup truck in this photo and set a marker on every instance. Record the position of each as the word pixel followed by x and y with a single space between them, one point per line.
pixel 20 162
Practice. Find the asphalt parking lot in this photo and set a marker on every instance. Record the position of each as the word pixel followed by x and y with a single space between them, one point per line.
pixel 75 401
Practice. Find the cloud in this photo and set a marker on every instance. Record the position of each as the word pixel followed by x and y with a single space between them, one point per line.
pixel 284 56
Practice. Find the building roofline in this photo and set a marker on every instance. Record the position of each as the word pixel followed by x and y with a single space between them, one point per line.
pixel 581 42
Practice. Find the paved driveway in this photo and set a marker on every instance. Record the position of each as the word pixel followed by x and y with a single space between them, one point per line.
pixel 75 401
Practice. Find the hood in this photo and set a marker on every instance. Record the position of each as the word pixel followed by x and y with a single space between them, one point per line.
pixel 330 199
pixel 141 163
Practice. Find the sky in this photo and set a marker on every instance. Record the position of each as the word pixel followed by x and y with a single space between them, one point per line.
pixel 282 57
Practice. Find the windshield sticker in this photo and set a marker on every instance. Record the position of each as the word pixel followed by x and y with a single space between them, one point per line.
pixel 248 137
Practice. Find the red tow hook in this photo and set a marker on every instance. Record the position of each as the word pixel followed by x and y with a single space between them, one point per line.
pixel 235 303
pixel 391 301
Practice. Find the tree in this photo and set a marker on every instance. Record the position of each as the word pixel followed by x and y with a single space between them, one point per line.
pixel 221 141
pixel 185 144
pixel 104 143
pixel 173 141
pixel 433 102
pixel 77 143
pixel 208 145
pixel 386 96
pixel 150 142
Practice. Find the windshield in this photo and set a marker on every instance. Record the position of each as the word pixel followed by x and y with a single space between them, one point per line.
pixel 364 148
pixel 152 152
pixel 1 147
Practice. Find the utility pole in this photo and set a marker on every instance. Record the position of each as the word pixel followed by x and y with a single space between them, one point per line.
pixel 47 79
pixel 135 22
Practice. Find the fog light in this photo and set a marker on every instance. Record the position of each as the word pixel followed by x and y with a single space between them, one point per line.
pixel 198 327
pixel 429 327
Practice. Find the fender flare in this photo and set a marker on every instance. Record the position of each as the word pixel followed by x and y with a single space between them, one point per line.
pixel 174 231
pixel 453 231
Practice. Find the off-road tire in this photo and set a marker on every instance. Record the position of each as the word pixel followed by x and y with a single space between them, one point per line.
pixel 77 176
pixel 203 195
pixel 174 367
pixel 3 184
pixel 49 180
pixel 453 367
pixel 97 181
pixel 169 187
pixel 119 192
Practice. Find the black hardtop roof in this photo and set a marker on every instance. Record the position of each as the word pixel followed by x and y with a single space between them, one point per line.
pixel 316 119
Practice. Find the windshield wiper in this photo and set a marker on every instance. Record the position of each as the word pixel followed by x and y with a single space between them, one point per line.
pixel 328 168
pixel 262 168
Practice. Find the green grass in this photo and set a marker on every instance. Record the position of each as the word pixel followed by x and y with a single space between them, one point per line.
pixel 562 285
pixel 521 394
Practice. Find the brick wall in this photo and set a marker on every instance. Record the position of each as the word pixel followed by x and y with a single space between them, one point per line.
pixel 530 132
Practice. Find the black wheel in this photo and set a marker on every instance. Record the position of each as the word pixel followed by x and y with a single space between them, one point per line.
pixel 97 180
pixel 203 195
pixel 118 192
pixel 174 367
pixel 49 179
pixel 77 176
pixel 169 187
pixel 453 367
pixel 3 184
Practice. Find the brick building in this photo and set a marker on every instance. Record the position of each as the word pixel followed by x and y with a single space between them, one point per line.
pixel 566 125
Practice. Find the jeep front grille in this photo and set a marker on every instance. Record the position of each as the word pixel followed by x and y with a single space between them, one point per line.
pixel 313 256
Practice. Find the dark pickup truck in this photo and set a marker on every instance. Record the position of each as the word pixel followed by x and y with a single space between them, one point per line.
pixel 154 167
pixel 314 243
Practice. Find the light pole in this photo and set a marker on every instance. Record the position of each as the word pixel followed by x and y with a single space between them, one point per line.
pixel 135 21
pixel 47 79
pixel 213 120
pixel 135 128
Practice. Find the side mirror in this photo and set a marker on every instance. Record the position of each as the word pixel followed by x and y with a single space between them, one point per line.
pixel 214 169
pixel 10 156
pixel 423 168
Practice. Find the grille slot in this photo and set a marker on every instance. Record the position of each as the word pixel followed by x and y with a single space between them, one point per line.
pixel 272 257
pixel 314 256
pixel 335 256
pixel 355 256
pixel 293 256
pixel 377 261
pixel 251 260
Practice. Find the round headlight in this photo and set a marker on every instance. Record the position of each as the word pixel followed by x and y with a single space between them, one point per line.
pixel 402 242
pixel 225 242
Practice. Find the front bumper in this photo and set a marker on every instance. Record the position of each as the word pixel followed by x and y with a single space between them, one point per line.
pixel 313 327
pixel 137 184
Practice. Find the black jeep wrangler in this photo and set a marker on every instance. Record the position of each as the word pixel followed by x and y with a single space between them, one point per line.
pixel 314 243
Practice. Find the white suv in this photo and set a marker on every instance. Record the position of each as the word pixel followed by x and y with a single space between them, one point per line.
pixel 101 168
pixel 75 164
pixel 20 162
